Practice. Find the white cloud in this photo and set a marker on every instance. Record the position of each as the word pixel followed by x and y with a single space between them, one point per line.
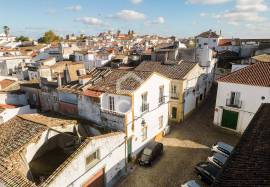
pixel 160 20
pixel 136 1
pixel 245 12
pixel 90 21
pixel 129 15
pixel 74 8
pixel 251 5
pixel 207 1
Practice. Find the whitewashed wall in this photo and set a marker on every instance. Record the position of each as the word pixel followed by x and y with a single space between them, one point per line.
pixel 155 111
pixel 211 42
pixel 111 149
pixel 122 103
pixel 251 97
pixel 8 114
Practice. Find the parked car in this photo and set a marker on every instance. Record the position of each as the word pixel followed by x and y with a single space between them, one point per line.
pixel 151 152
pixel 191 183
pixel 222 148
pixel 167 130
pixel 218 159
pixel 207 172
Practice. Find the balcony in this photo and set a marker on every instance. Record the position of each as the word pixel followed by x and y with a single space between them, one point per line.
pixel 145 107
pixel 113 112
pixel 161 100
pixel 234 104
pixel 174 95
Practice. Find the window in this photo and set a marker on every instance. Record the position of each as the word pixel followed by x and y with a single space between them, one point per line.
pixel 161 94
pixel 174 94
pixel 144 133
pixel 234 100
pixel 111 103
pixel 145 105
pixel 214 40
pixel 91 159
pixel 160 122
pixel 174 112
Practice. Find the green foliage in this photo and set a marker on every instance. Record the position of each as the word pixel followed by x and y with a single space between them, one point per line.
pixel 22 39
pixel 49 37
pixel 6 30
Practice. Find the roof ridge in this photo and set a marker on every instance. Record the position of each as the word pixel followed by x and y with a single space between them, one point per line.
pixel 236 72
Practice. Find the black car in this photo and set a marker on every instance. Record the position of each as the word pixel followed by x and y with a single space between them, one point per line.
pixel 150 153
pixel 207 171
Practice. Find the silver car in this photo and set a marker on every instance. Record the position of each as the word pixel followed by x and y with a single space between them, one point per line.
pixel 191 183
pixel 222 148
pixel 218 159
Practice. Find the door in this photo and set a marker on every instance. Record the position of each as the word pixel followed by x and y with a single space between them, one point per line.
pixel 229 119
pixel 174 112
pixel 96 181
pixel 129 147
pixel 197 102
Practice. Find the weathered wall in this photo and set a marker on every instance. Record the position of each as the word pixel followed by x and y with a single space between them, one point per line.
pixel 13 99
pixel 89 109
pixel 68 108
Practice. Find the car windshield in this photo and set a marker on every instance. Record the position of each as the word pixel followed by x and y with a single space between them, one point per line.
pixel 219 158
pixel 225 146
pixel 147 151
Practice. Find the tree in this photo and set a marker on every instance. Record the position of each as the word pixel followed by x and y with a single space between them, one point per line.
pixel 22 39
pixel 6 30
pixel 49 37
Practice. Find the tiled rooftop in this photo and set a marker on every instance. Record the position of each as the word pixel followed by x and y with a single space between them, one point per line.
pixel 174 71
pixel 249 164
pixel 14 136
pixel 257 74
pixel 262 58
pixel 127 81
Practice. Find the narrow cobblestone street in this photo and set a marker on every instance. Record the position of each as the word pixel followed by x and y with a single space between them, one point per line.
pixel 186 145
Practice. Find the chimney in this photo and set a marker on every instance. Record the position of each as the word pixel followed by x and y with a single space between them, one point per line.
pixel 59 80
pixel 67 75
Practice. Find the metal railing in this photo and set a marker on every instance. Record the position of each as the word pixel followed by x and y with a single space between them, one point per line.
pixel 145 107
pixel 113 112
pixel 235 103
pixel 174 95
pixel 161 100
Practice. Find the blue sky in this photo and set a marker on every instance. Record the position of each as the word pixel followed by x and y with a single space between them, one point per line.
pixel 182 18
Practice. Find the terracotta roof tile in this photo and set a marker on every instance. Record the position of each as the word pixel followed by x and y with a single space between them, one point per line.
pixel 257 74
pixel 208 34
pixel 128 81
pixel 14 135
pixel 249 163
pixel 5 83
pixel 172 71
pixel 262 58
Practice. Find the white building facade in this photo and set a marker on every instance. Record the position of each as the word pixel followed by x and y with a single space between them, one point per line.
pixel 236 104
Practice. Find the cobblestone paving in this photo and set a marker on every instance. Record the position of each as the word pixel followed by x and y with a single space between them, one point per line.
pixel 186 145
